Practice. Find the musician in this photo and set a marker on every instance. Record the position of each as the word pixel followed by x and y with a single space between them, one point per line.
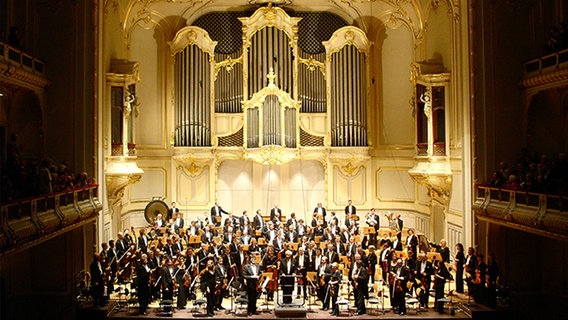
pixel 193 228
pixel 319 210
pixel 269 264
pixel 479 279
pixel 245 238
pixel 143 241
pixel 302 265
pixel 97 280
pixel 459 262
pixel 359 279
pixel 334 227
pixel 385 239
pixel 338 246
pixel 207 236
pixel 331 255
pixel 191 262
pixel 160 223
pixel 352 224
pixel 168 272
pixel 258 221
pixel 253 247
pixel 470 266
pixel 169 248
pixel 208 284
pixel 301 228
pixel 251 274
pixel 278 241
pixel 351 249
pixel 181 277
pixel 143 272
pixel 244 220
pixel 155 269
pixel 385 255
pixel 121 245
pixel 222 280
pixel 317 259
pixel 274 212
pixel 423 273
pixel 373 219
pixel 442 249
pixel 178 245
pixel 441 274
pixel 333 218
pixel 172 212
pixel 373 260
pixel 324 276
pixel 399 276
pixel 179 223
pixel 127 239
pixel 350 209
pixel 291 234
pixel 398 222
pixel 216 212
pixel 327 236
pixel 397 244
pixel 334 282
pixel 491 279
pixel 248 229
pixel 412 240
pixel 292 221
pixel 287 274
pixel 228 236
pixel 310 235
pixel 232 262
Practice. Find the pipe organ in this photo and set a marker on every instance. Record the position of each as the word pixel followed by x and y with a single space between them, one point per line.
pixel 268 82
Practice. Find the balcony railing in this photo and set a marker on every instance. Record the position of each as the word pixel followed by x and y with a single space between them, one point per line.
pixel 539 213
pixel 21 59
pixel 25 221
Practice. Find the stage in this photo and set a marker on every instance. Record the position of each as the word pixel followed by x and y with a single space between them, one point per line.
pixel 459 307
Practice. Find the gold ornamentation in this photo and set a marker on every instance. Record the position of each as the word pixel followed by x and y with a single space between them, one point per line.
pixel 193 166
pixel 313 64
pixel 272 155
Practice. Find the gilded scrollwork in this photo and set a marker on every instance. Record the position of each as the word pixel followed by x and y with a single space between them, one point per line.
pixel 193 165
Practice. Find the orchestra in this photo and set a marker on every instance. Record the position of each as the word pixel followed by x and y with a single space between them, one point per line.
pixel 262 257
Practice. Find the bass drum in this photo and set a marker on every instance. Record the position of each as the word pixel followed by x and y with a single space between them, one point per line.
pixel 153 208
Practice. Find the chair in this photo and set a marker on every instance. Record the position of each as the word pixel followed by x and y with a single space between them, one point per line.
pixel 413 303
pixel 241 302
pixel 373 301
pixel 344 303
pixel 132 304
pixel 166 308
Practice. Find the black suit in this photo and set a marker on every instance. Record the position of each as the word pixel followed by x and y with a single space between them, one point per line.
pixel 208 283
pixel 353 210
pixel 324 273
pixel 323 213
pixel 143 275
pixel 216 211
pixel 424 272
pixel 97 277
pixel 301 269
pixel 167 283
pixel 273 212
pixel 259 223
pixel 399 287
pixel 361 278
pixel 251 273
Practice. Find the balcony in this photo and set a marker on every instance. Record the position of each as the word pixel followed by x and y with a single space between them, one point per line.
pixel 18 65
pixel 542 214
pixel 25 222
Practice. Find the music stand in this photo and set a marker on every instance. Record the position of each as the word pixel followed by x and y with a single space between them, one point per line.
pixel 245 247
pixel 369 230
pixel 317 239
pixel 261 241
pixel 292 246
pixel 401 254
pixel 357 238
pixel 194 240
pixel 434 256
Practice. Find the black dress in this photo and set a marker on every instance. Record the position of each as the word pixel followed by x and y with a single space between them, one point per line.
pixel 460 261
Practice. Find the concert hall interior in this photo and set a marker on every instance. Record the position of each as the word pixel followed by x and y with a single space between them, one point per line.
pixel 283 159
